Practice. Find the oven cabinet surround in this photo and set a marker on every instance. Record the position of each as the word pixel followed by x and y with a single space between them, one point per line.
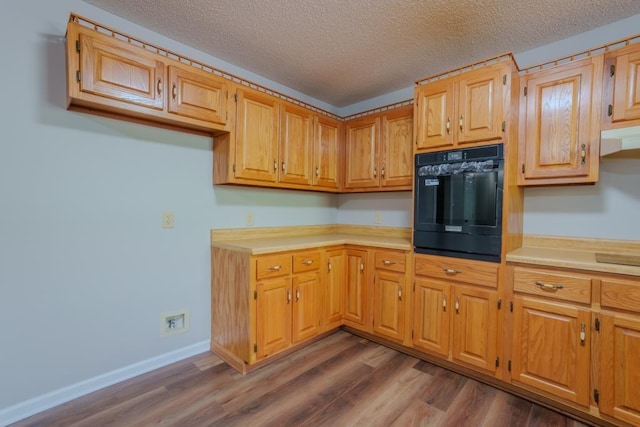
pixel 124 80
pixel 575 334
pixel 560 113
pixel 456 311
pixel 470 107
pixel 278 144
pixel 379 151
pixel 621 91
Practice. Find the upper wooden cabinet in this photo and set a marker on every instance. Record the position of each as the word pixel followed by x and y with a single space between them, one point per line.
pixel 296 139
pixel 378 151
pixel 327 146
pixel 559 141
pixel 116 77
pixel 462 109
pixel 622 87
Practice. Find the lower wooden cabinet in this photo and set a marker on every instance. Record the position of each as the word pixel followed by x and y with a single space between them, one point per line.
pixel 306 307
pixel 273 316
pixel 357 308
pixel 390 294
pixel 456 310
pixel 333 296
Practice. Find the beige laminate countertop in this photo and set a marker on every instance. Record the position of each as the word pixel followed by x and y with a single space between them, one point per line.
pixel 268 245
pixel 569 258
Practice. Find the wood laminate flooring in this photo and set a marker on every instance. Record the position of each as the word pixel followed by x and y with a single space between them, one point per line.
pixel 342 380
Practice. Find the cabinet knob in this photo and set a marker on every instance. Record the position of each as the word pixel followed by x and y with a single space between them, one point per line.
pixel 444 302
pixel 448 126
pixel 275 165
pixel 461 120
pixel 297 294
pixel 284 167
pixel 329 266
pixel 174 92
pixel 361 266
pixel 382 172
pixel 457 305
pixel 317 171
pixel 159 86
pixel 375 172
pixel 583 154
pixel 400 293
pixel 583 333
pixel 288 296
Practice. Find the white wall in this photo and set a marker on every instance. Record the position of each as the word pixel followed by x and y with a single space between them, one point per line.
pixel 85 269
pixel 394 209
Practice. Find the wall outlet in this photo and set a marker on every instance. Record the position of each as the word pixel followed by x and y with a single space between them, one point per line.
pixel 167 219
pixel 249 219
pixel 174 322
pixel 377 219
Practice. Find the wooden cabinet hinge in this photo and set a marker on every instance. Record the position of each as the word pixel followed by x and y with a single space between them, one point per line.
pixel 509 366
pixel 612 71
pixel 511 306
pixel 499 303
pixel 504 125
pixel 523 168
pixel 233 168
pixel 78 46
pixel 497 362
pixel 596 395
pixel 255 294
pixel 504 79
pixel 78 76
pixel 235 97
pixel 597 324
pixel 525 91
pixel 610 110
pixel 255 348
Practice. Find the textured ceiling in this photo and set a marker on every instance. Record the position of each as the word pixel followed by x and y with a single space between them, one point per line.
pixel 345 51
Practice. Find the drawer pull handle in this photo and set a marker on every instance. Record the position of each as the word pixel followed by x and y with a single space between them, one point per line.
pixel 549 286
pixel 451 271
pixel 307 262
pixel 583 334
pixel 388 262
pixel 274 268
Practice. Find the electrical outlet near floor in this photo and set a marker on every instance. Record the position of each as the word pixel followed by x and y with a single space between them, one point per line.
pixel 174 322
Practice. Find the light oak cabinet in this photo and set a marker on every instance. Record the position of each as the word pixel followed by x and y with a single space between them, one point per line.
pixel 619 349
pixel 327 158
pixel 305 288
pixel 623 107
pixel 357 310
pixel 119 78
pixel 334 294
pixel 551 347
pixel 296 145
pixel 273 316
pixel 456 310
pixel 559 140
pixel 390 294
pixel 463 109
pixel 378 151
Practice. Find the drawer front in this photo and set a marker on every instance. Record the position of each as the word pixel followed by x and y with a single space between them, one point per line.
pixel 563 286
pixel 272 266
pixel 392 261
pixel 460 270
pixel 306 261
pixel 620 294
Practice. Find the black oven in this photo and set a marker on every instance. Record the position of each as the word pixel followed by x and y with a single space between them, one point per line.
pixel 458 203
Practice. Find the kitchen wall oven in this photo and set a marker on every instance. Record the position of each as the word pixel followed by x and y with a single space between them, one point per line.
pixel 458 203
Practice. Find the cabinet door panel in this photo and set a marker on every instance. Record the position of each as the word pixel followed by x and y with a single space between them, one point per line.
pixel 626 101
pixel 125 73
pixel 480 106
pixel 355 290
pixel 334 289
pixel 548 352
pixel 619 367
pixel 396 169
pixel 197 95
pixel 361 154
pixel 388 300
pixel 432 316
pixel 273 316
pixel 435 115
pixel 256 137
pixel 305 307
pixel 295 145
pixel 474 327
pixel 327 153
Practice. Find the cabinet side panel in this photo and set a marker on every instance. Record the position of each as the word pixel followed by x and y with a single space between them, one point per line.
pixel 231 313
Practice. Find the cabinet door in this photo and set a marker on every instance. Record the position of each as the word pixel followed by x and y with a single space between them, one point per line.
pixel 435 103
pixel 626 96
pixel 561 138
pixel 432 316
pixel 117 70
pixel 273 316
pixel 619 367
pixel 334 289
pixel 480 105
pixel 305 306
pixel 396 168
pixel 256 136
pixel 388 304
pixel 355 287
pixel 474 327
pixel 295 145
pixel 361 156
pixel 551 348
pixel 326 156
pixel 197 94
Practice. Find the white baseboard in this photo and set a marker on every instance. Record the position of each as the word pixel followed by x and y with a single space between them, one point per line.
pixel 49 400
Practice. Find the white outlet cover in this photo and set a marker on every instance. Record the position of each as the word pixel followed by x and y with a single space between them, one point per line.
pixel 182 322
pixel 168 220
